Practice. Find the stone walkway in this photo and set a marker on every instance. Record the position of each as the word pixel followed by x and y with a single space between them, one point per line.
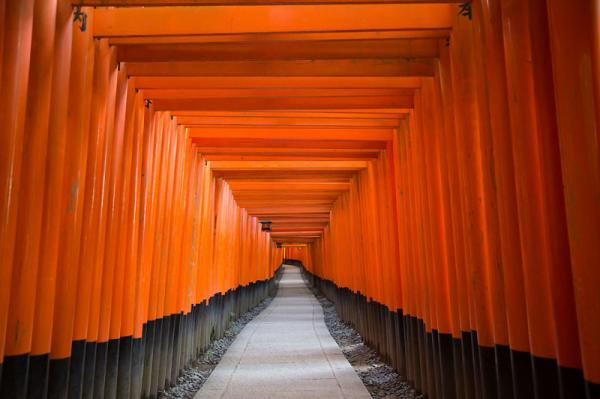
pixel 285 352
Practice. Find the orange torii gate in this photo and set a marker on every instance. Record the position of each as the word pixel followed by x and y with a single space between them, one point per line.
pixel 434 166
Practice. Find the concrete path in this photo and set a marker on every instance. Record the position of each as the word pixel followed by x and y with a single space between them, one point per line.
pixel 285 352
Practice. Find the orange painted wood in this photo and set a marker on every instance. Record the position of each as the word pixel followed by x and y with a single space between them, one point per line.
pixel 149 185
pixel 556 235
pixel 289 122
pixel 577 108
pixel 526 150
pixel 17 37
pixel 294 144
pixel 55 195
pixel 443 167
pixel 268 134
pixel 98 175
pixel 290 37
pixel 75 182
pixel 161 165
pixel 273 92
pixel 505 177
pixel 150 3
pixel 57 302
pixel 281 50
pixel 473 181
pixel 274 82
pixel 384 67
pixel 100 153
pixel 245 19
pixel 26 327
pixel 116 106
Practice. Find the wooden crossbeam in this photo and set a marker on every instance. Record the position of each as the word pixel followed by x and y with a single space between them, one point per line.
pixel 216 121
pixel 280 50
pixel 291 144
pixel 289 37
pixel 230 19
pixel 406 67
pixel 278 133
pixel 159 3
pixel 278 82
pixel 274 92
pixel 288 165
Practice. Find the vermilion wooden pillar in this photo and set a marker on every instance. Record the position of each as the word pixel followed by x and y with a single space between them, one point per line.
pixel 143 262
pixel 27 250
pixel 50 258
pixel 161 341
pixel 513 378
pixel 447 328
pixel 115 106
pixel 494 360
pixel 95 209
pixel 20 329
pixel 124 120
pixel 74 185
pixel 479 215
pixel 574 47
pixel 526 151
pixel 158 172
pixel 567 344
pixel 14 74
pixel 455 245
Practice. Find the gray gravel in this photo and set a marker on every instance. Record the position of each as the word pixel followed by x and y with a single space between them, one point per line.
pixel 381 380
pixel 192 378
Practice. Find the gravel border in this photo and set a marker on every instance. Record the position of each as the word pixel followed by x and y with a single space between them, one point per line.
pixel 192 378
pixel 381 380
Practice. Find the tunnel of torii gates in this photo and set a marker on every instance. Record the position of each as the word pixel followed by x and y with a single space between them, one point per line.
pixel 434 166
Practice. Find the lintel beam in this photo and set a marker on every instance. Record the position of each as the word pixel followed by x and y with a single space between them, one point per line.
pixel 289 37
pixel 282 103
pixel 253 82
pixel 163 3
pixel 288 186
pixel 232 19
pixel 287 165
pixel 403 67
pixel 292 144
pixel 199 121
pixel 280 50
pixel 290 157
pixel 273 92
pixel 278 133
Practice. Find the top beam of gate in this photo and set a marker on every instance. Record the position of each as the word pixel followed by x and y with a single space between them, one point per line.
pixel 140 21
pixel 154 3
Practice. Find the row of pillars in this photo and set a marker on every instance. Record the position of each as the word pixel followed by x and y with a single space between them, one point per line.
pixel 481 220
pixel 110 219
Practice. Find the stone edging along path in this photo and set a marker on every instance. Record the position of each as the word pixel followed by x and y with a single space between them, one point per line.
pixel 191 379
pixel 381 380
